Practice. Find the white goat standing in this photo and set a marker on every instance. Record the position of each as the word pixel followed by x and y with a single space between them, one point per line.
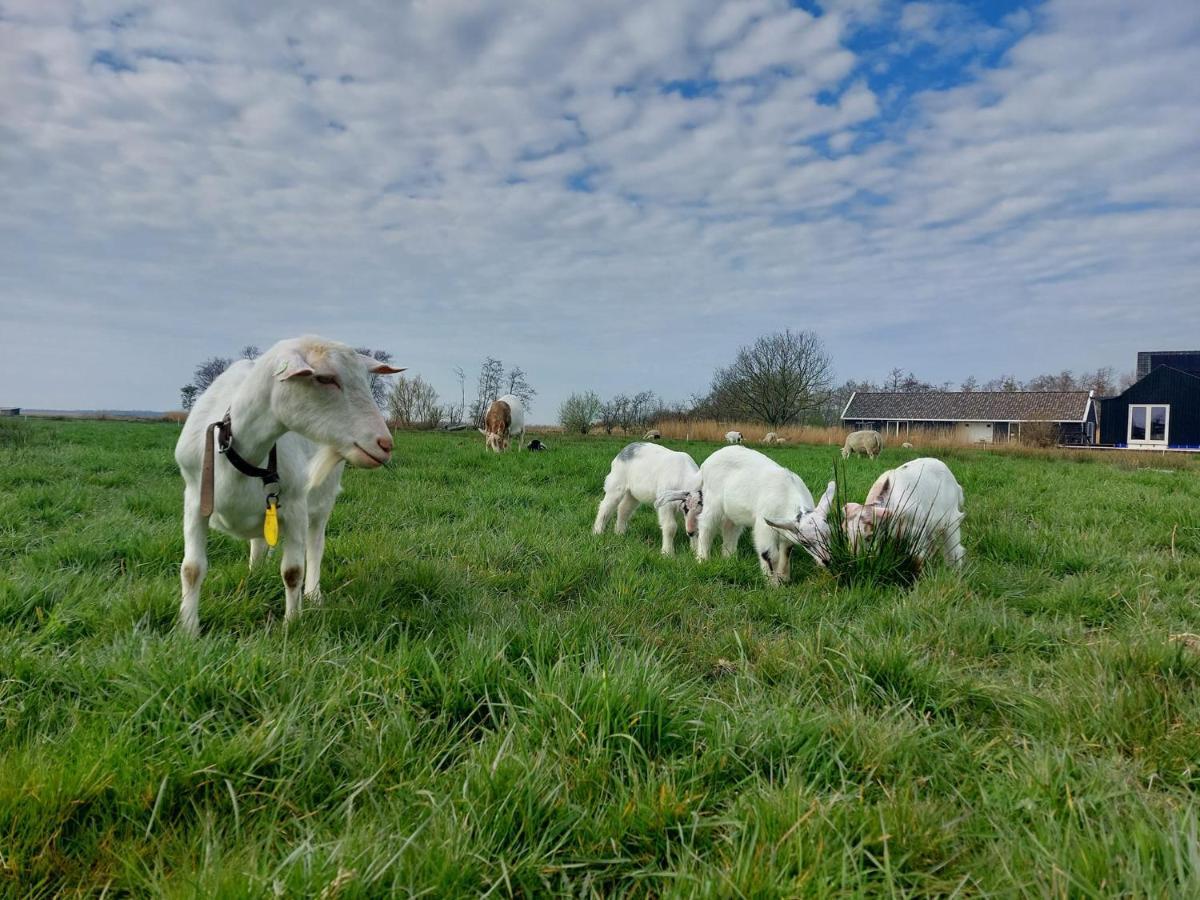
pixel 922 494
pixel 650 473
pixel 311 399
pixel 741 488
pixel 733 437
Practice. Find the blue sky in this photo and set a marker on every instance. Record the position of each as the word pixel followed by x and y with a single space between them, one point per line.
pixel 613 195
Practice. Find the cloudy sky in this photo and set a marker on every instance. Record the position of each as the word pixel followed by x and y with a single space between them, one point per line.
pixel 612 194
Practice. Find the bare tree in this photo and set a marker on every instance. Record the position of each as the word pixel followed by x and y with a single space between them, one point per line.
pixel 187 395
pixel 612 412
pixel 579 411
pixel 455 413
pixel 519 386
pixel 251 351
pixel 206 373
pixel 413 403
pixel 970 383
pixel 487 389
pixel 778 380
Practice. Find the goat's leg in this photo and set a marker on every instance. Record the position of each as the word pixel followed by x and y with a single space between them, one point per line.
pixel 706 531
pixel 314 552
pixel 291 567
pixel 258 551
pixel 624 510
pixel 668 522
pixel 607 507
pixel 195 562
pixel 730 534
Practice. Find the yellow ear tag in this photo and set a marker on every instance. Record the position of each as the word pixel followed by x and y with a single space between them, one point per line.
pixel 271 523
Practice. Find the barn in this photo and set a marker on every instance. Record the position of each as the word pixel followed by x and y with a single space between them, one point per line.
pixel 984 417
pixel 1161 411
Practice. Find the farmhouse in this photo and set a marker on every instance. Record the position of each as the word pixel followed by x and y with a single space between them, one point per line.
pixel 988 417
pixel 1162 409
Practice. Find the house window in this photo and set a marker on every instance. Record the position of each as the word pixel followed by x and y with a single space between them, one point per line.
pixel 1149 424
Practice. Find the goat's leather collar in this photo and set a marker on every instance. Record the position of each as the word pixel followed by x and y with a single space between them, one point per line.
pixel 224 443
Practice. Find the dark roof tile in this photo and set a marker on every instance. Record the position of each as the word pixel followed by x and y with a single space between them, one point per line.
pixel 967 406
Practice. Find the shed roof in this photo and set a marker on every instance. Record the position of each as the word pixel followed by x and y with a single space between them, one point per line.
pixel 969 406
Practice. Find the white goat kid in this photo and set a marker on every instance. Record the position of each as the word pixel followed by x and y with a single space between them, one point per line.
pixel 742 488
pixel 922 494
pixel 310 399
pixel 810 530
pixel 733 437
pixel 649 473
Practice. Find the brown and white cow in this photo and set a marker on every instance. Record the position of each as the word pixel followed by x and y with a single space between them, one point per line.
pixel 504 421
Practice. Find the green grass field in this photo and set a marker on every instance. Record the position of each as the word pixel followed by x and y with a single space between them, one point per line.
pixel 492 699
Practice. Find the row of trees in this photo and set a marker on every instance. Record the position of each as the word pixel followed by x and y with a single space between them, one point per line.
pixel 787 379
pixel 582 412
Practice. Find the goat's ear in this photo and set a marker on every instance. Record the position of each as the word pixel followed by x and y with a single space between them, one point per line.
pixel 292 365
pixel 788 529
pixel 376 367
pixel 880 491
pixel 827 498
pixel 668 497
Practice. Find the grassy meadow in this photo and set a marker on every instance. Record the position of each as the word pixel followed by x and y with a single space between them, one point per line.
pixel 491 699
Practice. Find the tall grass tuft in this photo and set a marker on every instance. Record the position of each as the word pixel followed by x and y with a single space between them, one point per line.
pixel 888 556
pixel 15 433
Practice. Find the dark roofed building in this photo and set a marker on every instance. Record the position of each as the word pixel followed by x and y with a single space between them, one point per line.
pixel 1183 360
pixel 975 416
pixel 1161 411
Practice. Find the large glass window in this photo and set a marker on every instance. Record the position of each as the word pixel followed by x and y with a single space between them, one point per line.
pixel 1149 424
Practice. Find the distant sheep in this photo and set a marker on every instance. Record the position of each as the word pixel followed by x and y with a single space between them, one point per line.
pixel 733 437
pixel 770 437
pixel 303 408
pixel 504 421
pixel 867 442
pixel 648 473
pixel 652 435
pixel 907 445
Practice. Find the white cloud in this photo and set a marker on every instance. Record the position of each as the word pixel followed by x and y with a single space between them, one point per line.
pixel 445 178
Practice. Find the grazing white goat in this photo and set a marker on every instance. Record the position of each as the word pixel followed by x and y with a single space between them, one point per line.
pixel 770 437
pixel 733 437
pixel 652 435
pixel 810 529
pixel 868 442
pixel 907 445
pixel 922 495
pixel 649 473
pixel 309 399
pixel 742 488
pixel 504 421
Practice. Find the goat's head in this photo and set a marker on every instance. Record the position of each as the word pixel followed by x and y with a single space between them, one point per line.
pixel 690 503
pixel 810 530
pixel 322 390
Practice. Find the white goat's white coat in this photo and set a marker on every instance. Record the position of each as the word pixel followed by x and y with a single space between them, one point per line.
pixel 733 437
pixel 923 494
pixel 868 442
pixel 741 489
pixel 650 473
pixel 309 397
